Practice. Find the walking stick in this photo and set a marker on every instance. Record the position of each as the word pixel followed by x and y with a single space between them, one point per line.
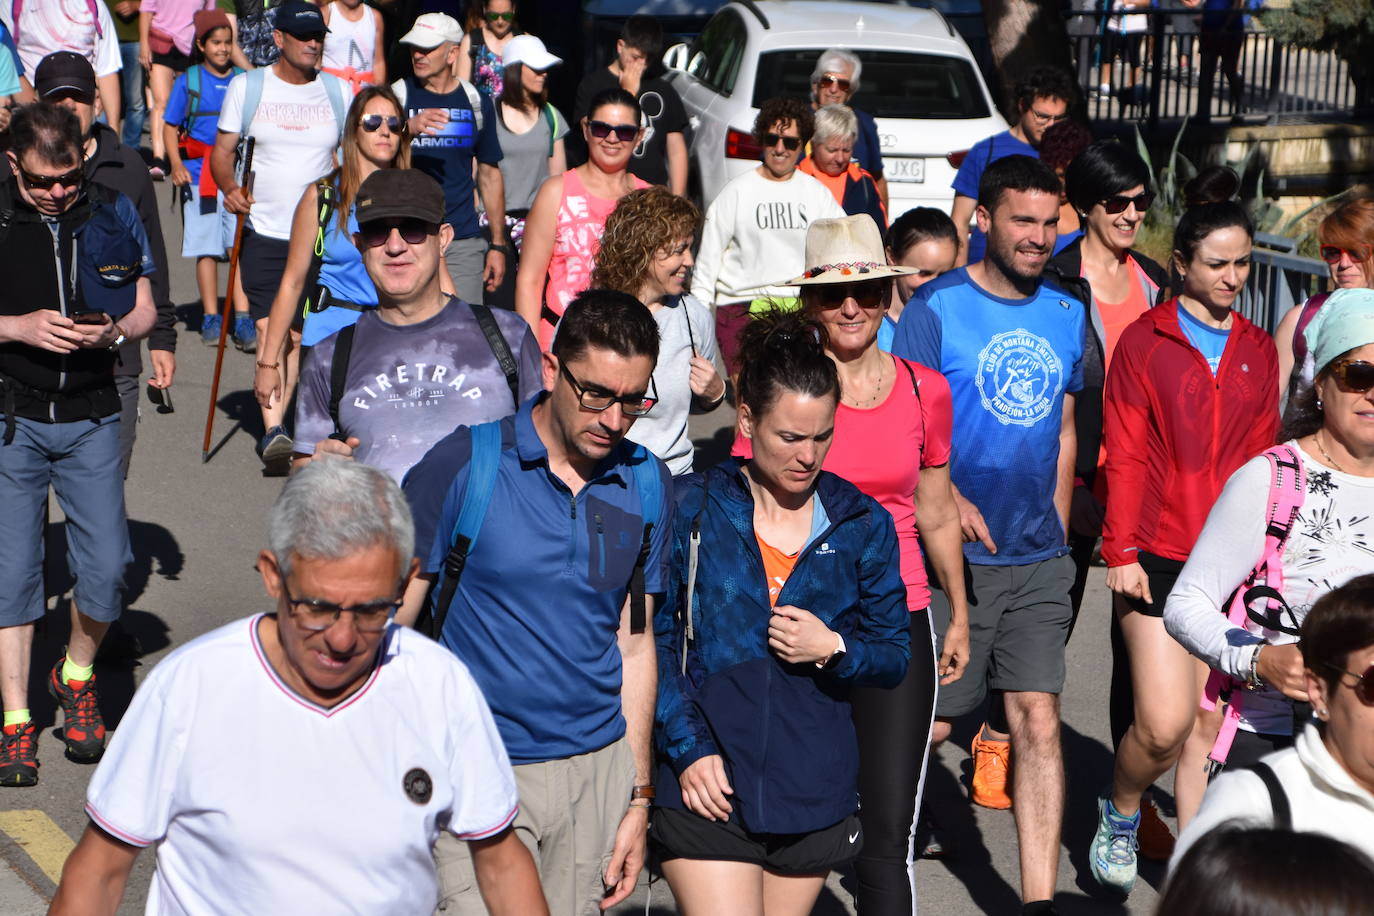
pixel 229 303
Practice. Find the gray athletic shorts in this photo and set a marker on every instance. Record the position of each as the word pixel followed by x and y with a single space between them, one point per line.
pixel 466 259
pixel 1019 618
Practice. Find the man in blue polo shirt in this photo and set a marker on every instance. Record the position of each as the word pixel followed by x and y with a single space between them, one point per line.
pixel 1011 346
pixel 451 124
pixel 542 613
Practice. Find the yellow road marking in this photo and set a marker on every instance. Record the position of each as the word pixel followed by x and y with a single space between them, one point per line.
pixel 43 840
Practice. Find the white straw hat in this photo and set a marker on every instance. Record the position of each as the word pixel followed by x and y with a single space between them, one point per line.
pixel 846 250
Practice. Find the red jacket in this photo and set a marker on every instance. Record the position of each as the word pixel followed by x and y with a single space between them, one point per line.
pixel 1174 433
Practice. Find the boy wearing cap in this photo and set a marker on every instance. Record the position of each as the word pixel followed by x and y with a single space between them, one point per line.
pixel 296 115
pixel 451 125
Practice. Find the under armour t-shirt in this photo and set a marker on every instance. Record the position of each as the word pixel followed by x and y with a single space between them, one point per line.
pixel 446 155
pixel 980 156
pixel 1009 363
pixel 408 386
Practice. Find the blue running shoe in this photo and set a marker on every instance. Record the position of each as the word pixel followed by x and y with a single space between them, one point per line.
pixel 1113 851
pixel 245 333
pixel 209 330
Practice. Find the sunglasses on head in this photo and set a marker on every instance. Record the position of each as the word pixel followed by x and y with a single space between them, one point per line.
pixel 497 17
pixel 413 231
pixel 623 132
pixel 791 144
pixel 69 179
pixel 1355 374
pixel 1118 203
pixel 838 82
pixel 870 294
pixel 1364 683
pixel 1332 254
pixel 373 123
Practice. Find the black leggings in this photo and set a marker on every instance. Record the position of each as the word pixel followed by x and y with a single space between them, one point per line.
pixel 894 740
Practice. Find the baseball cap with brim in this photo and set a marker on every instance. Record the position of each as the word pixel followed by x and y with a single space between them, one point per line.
pixel 432 30
pixel 297 17
pixel 400 194
pixel 65 73
pixel 530 51
pixel 1345 321
pixel 846 250
pixel 109 264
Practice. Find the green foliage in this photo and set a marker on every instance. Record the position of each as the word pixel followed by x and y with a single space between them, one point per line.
pixel 1343 26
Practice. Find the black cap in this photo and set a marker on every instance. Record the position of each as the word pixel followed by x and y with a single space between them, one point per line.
pixel 297 17
pixel 65 71
pixel 400 194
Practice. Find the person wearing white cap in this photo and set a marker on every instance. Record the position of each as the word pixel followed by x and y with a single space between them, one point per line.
pixel 451 125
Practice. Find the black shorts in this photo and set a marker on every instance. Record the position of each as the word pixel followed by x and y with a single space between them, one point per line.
pixel 261 265
pixel 173 60
pixel 1162 573
pixel 679 834
pixel 1125 45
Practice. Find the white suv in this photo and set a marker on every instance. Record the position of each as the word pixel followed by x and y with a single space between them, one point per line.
pixel 919 82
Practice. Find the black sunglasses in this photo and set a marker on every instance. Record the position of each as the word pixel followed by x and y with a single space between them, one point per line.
pixel 1118 203
pixel 634 405
pixel 623 132
pixel 1355 374
pixel 413 231
pixel 373 122
pixel 838 81
pixel 791 144
pixel 1364 683
pixel 870 294
pixel 1331 254
pixel 68 179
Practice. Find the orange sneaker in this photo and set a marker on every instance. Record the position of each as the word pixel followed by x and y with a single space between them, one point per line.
pixel 1156 842
pixel 991 762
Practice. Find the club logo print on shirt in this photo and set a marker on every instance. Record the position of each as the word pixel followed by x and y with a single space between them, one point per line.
pixel 458 132
pixel 411 385
pixel 650 109
pixel 418 786
pixel 1018 376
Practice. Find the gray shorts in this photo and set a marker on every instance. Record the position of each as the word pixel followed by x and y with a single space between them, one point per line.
pixel 1019 618
pixel 466 259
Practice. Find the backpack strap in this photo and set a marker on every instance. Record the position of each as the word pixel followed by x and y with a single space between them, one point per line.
pixel 338 376
pixel 328 198
pixel 1278 798
pixel 334 88
pixel 645 471
pixel 475 103
pixel 482 468
pixel 552 119
pixel 499 348
pixel 916 390
pixel 252 97
pixel 399 88
pixel 192 98
pixel 693 553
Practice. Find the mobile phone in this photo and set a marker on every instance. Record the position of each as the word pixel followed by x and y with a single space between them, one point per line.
pixel 95 317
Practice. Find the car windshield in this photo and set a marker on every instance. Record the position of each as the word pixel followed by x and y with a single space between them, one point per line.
pixel 894 84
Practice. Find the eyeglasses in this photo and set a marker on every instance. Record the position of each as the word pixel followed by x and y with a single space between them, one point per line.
pixel 1118 203
pixel 623 132
pixel 44 182
pixel 496 17
pixel 838 82
pixel 1355 374
pixel 1364 683
pixel 870 294
pixel 791 144
pixel 413 231
pixel 317 616
pixel 1042 118
pixel 1332 254
pixel 373 123
pixel 634 405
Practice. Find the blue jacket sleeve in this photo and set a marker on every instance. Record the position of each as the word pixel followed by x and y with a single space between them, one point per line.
pixel 879 651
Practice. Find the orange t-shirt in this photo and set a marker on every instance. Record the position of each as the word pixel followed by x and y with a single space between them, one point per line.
pixel 1117 315
pixel 777 567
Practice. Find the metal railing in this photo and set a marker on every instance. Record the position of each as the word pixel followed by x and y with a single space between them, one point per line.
pixel 1279 280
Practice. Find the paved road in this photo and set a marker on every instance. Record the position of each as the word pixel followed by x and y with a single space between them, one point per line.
pixel 197 529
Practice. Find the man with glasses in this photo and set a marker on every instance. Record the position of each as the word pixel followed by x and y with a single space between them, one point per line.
pixel 1043 98
pixel 296 114
pixel 422 363
pixel 368 741
pixel 544 615
pixel 452 125
pixel 834 82
pixel 76 264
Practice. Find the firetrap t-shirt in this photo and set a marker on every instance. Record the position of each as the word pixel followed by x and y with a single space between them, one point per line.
pixel 1009 363
pixel 408 386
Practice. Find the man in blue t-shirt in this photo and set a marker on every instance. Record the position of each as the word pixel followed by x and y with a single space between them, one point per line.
pixel 1011 346
pixel 449 133
pixel 1043 98
pixel 542 614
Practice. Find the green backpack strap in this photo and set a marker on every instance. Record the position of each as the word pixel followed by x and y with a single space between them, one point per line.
pixel 554 120
pixel 328 199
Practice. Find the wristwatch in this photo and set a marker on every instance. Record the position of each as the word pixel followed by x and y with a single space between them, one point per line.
pixel 120 337
pixel 502 247
pixel 835 658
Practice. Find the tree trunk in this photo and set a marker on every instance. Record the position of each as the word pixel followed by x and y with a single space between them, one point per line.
pixel 1023 35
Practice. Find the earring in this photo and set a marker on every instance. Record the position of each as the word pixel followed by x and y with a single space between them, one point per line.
pixel 1319 403
pixel 1321 714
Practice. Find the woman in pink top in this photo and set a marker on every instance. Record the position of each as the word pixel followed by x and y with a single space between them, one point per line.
pixel 564 226
pixel 166 40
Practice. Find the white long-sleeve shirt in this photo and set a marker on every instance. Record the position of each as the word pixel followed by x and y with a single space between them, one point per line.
pixel 1332 541
pixel 755 237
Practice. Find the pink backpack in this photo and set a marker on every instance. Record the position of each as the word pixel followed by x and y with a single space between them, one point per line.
pixel 17 9
pixel 1287 486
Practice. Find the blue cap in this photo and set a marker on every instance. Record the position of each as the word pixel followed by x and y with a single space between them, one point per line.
pixel 297 17
pixel 109 263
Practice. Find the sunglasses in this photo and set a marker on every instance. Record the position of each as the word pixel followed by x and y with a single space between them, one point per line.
pixel 838 82
pixel 791 144
pixel 373 123
pixel 1118 203
pixel 1332 254
pixel 623 132
pixel 413 231
pixel 870 294
pixel 1355 374
pixel 497 17
pixel 1364 683
pixel 44 182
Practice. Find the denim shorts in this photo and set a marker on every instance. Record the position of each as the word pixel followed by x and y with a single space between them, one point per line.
pixel 206 235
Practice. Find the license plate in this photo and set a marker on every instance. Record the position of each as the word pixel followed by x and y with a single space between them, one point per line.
pixel 904 169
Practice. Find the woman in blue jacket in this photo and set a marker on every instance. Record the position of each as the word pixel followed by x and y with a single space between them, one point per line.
pixel 796 595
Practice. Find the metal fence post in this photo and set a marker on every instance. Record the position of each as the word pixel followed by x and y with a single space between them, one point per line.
pixel 1156 67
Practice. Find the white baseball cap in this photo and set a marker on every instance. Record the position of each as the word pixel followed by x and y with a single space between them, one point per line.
pixel 432 30
pixel 530 51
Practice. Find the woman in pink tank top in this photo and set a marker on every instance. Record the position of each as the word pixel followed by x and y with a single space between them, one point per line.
pixel 563 229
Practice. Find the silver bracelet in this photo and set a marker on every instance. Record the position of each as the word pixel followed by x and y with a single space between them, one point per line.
pixel 1253 681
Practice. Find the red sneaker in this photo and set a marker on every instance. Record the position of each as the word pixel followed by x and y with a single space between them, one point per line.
pixel 83 730
pixel 19 755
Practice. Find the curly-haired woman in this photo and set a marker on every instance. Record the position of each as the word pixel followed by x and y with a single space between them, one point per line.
pixel 647 252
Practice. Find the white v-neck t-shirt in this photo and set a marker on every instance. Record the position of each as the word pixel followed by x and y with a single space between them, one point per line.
pixel 260 801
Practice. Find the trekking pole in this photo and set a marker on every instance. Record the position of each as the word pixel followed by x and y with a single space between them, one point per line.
pixel 228 303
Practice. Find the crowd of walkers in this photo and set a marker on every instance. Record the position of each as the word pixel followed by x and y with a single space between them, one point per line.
pixel 521 634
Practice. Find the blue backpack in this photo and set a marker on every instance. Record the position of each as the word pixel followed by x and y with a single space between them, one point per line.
pixel 482 467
